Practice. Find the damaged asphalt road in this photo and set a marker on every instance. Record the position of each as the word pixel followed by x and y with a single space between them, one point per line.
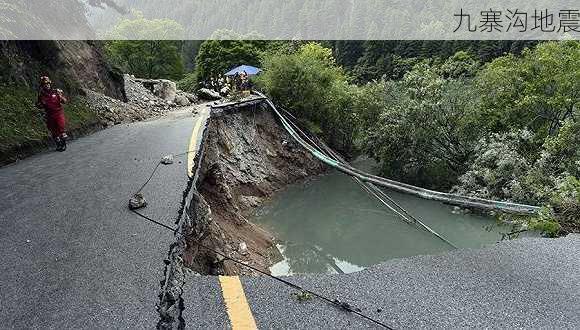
pixel 528 283
pixel 73 255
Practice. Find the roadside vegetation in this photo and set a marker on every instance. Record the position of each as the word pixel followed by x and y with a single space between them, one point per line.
pixel 497 119
pixel 135 47
pixel 502 127
pixel 23 123
pixel 308 83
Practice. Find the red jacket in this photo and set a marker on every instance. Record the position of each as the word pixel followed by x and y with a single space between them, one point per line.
pixel 51 101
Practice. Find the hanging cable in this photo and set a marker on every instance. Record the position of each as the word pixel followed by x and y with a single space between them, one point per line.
pixel 343 305
pixel 159 163
pixel 465 201
pixel 335 302
pixel 373 190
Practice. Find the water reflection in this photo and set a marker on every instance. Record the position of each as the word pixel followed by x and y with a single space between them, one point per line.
pixel 330 225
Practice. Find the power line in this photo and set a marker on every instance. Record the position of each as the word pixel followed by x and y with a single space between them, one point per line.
pixel 373 190
pixel 342 305
pixel 156 168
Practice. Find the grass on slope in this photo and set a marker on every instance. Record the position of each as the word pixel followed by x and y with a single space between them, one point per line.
pixel 21 121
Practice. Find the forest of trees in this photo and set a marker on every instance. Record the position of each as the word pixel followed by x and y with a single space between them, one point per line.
pixel 495 119
pixel 324 19
pixel 489 119
pixel 368 60
pixel 206 17
pixel 364 60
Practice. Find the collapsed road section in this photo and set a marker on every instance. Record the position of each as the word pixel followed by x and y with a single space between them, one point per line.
pixel 242 153
pixel 241 156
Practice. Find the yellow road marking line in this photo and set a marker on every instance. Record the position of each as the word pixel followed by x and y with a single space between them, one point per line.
pixel 236 304
pixel 201 117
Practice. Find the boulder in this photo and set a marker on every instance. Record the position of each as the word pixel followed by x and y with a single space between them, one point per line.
pixel 167 160
pixel 243 248
pixel 208 94
pixel 165 89
pixel 137 202
pixel 182 100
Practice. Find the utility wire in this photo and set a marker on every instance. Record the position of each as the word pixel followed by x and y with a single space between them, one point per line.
pixel 150 177
pixel 376 192
pixel 343 305
pixel 156 168
pixel 336 158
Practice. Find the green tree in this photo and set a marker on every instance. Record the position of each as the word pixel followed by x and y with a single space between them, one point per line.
pixel 530 105
pixel 461 65
pixel 148 57
pixel 309 84
pixel 539 90
pixel 216 57
pixel 425 134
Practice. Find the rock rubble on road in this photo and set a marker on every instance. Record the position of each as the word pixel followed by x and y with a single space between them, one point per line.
pixel 146 98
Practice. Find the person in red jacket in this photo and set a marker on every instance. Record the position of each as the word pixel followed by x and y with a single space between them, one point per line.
pixel 52 100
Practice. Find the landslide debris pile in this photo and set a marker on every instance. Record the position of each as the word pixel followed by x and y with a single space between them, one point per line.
pixel 142 103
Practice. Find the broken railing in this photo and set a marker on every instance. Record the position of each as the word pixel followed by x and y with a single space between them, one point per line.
pixel 453 199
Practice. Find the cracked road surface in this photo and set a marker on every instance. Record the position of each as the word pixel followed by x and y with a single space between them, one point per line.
pixel 526 283
pixel 73 255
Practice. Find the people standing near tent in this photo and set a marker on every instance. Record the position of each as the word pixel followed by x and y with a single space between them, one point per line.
pixel 245 84
pixel 52 100
pixel 237 82
pixel 241 77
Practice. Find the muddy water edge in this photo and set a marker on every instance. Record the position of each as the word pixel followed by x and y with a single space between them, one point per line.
pixel 260 198
pixel 247 156
pixel 331 225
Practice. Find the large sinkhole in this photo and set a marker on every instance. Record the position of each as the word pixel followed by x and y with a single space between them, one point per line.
pixel 330 225
pixel 267 202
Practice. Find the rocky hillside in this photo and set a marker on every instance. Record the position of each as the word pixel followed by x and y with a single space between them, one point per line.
pixel 72 65
pixel 100 96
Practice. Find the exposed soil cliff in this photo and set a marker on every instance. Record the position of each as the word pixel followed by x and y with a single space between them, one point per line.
pixel 100 95
pixel 247 156
pixel 72 65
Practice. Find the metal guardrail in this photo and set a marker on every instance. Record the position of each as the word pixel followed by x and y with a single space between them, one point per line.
pixel 449 198
pixel 453 199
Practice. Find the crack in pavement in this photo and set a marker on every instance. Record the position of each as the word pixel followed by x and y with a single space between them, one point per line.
pixel 171 305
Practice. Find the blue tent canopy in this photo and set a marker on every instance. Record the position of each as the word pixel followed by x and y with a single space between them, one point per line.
pixel 250 70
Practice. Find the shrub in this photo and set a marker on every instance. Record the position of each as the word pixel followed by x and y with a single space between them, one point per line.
pixel 425 133
pixel 308 83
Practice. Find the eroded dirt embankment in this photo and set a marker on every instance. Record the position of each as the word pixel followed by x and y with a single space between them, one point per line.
pixel 247 156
